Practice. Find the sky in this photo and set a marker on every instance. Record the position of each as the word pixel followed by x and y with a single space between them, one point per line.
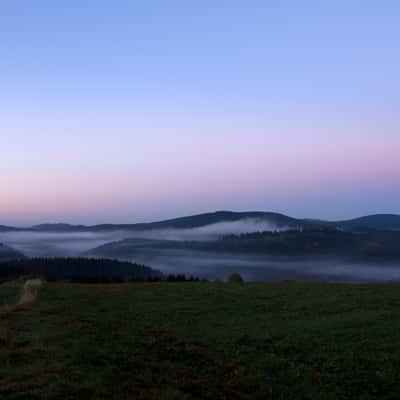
pixel 125 111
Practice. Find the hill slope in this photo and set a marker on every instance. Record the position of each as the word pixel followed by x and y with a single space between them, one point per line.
pixel 189 222
pixel 277 220
pixel 7 253
pixel 78 270
pixel 4 228
pixel 378 221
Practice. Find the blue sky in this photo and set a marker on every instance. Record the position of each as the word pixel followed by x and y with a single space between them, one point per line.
pixel 133 110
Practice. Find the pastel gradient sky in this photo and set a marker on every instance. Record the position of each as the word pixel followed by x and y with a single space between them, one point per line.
pixel 124 111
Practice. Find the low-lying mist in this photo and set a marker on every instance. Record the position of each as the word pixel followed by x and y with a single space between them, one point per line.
pixel 55 244
pixel 216 265
pixel 59 244
pixel 205 264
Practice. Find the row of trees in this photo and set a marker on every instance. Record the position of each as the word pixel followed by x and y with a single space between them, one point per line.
pixel 86 271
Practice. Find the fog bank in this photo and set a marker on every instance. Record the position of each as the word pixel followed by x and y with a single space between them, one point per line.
pixel 215 265
pixel 60 244
pixel 205 264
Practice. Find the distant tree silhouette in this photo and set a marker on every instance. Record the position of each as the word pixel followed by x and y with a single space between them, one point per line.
pixel 86 270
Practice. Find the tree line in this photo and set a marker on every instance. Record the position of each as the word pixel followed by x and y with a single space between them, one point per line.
pixel 86 270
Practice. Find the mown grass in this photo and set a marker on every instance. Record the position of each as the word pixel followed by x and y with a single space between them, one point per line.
pixel 204 341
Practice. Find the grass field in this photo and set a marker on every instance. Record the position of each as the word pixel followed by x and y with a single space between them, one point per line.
pixel 203 341
pixel 9 294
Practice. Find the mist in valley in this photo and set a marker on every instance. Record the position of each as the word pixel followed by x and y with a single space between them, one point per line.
pixel 218 266
pixel 70 244
pixel 145 248
pixel 56 244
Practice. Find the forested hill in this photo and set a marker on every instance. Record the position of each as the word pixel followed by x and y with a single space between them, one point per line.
pixel 276 220
pixel 373 245
pixel 377 222
pixel 189 222
pixel 79 270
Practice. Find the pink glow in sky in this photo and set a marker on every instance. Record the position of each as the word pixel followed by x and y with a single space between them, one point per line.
pixel 141 111
pixel 135 168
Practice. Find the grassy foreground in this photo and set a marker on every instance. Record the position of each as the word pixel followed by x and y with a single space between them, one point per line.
pixel 203 341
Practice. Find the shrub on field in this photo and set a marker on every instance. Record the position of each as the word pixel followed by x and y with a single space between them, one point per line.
pixel 235 278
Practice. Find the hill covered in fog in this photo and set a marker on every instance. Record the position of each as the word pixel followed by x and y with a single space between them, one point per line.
pixel 7 253
pixel 370 245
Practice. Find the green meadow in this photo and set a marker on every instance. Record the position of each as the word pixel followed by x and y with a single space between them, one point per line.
pixel 202 341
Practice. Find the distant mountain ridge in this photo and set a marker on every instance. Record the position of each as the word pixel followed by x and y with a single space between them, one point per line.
pixel 4 228
pixel 57 227
pixel 377 221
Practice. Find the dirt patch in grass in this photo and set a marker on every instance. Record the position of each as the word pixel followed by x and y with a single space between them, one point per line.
pixel 28 295
pixel 30 292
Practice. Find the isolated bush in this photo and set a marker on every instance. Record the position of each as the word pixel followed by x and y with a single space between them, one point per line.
pixel 235 278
